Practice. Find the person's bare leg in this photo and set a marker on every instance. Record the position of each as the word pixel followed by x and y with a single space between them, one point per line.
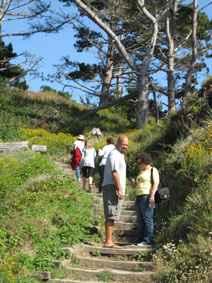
pixel 90 180
pixel 84 183
pixel 109 225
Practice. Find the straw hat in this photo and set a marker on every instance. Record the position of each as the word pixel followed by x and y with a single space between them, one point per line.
pixel 81 137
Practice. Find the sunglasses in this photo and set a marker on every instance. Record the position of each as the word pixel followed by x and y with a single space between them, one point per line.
pixel 139 163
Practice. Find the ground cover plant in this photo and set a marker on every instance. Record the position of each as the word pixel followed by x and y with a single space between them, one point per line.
pixel 41 211
pixel 185 253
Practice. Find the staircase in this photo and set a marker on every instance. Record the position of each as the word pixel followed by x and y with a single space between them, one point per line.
pixel 91 262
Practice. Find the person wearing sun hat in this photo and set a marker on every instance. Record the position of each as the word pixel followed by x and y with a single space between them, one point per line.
pixel 77 155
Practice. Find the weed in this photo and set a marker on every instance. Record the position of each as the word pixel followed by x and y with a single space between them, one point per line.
pixel 105 277
pixel 95 253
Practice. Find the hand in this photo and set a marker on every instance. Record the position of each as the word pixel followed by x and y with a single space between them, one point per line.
pixel 132 181
pixel 120 195
pixel 151 198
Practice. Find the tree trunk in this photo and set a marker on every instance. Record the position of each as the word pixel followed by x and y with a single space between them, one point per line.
pixel 108 74
pixel 142 105
pixel 194 51
pixel 156 108
pixel 2 7
pixel 170 32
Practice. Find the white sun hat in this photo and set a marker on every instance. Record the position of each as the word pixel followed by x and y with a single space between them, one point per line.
pixel 81 137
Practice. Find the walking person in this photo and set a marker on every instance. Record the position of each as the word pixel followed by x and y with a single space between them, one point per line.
pixel 114 188
pixel 104 154
pixel 88 164
pixel 77 155
pixel 145 198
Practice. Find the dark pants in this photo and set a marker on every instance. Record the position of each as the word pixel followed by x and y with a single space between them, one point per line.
pixel 87 171
pixel 101 174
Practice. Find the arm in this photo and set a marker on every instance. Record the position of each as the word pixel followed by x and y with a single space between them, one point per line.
pixel 155 185
pixel 101 152
pixel 116 179
pixel 153 191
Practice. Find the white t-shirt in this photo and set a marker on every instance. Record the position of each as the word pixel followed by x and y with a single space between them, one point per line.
pixel 104 152
pixel 88 157
pixel 115 162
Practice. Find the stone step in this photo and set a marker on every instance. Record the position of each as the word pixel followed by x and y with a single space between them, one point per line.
pixel 95 248
pixel 128 206
pixel 128 218
pixel 128 212
pixel 119 225
pixel 124 232
pixel 125 236
pixel 113 275
pixel 71 281
pixel 114 263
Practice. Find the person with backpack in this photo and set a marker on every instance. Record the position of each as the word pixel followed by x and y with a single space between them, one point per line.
pixel 145 198
pixel 77 155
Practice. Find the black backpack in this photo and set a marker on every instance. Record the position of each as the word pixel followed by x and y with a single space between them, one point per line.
pixel 162 195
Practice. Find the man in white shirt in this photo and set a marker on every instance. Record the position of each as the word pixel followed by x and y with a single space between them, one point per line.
pixel 114 188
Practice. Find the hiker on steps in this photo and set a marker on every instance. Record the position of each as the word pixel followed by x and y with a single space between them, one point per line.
pixel 88 164
pixel 145 198
pixel 103 152
pixel 77 155
pixel 114 188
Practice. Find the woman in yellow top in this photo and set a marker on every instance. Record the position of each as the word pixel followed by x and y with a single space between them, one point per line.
pixel 145 198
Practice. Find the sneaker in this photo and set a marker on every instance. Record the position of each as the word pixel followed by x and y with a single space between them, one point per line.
pixel 143 244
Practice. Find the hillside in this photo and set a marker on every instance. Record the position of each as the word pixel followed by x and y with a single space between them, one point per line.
pixel 53 113
pixel 39 202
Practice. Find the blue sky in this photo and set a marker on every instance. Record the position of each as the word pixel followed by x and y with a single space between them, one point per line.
pixel 53 46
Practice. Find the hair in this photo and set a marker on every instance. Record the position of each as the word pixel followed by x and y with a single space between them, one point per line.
pixel 145 158
pixel 110 141
pixel 88 144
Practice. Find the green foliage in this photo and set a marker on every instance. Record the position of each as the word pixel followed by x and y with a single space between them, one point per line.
pixel 41 211
pixel 9 71
pixel 105 277
pixel 56 143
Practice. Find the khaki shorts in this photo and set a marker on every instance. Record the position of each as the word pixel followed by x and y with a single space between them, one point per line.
pixel 112 205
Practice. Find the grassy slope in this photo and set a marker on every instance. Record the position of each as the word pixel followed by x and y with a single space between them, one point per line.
pixel 41 211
